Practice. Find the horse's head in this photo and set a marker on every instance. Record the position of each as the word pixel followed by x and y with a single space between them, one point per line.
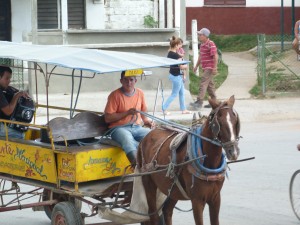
pixel 225 126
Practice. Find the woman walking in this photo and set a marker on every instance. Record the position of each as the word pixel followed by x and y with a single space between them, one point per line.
pixel 177 78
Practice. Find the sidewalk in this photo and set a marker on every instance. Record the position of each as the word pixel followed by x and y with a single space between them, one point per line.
pixel 241 76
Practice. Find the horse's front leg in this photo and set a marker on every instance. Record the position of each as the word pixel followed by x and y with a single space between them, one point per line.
pixel 198 207
pixel 150 190
pixel 214 210
pixel 168 211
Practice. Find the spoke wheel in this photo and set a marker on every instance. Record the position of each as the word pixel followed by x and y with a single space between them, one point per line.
pixel 61 197
pixel 295 193
pixel 65 213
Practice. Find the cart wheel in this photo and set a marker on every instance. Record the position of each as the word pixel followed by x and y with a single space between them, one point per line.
pixel 295 193
pixel 61 197
pixel 65 213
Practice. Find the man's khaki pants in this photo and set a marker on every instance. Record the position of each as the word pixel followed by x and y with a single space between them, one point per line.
pixel 206 84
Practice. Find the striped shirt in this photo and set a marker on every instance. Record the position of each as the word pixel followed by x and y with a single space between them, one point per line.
pixel 207 52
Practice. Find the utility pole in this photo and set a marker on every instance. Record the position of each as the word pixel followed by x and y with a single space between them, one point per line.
pixel 282 25
pixel 34 33
pixel 195 45
pixel 293 18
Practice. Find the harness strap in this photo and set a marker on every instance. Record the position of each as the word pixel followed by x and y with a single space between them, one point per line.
pixel 205 176
pixel 182 191
pixel 152 165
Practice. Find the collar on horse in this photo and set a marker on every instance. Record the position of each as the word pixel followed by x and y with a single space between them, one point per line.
pixel 197 168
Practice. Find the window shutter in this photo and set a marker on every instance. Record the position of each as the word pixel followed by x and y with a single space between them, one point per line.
pixel 224 2
pixel 47 14
pixel 235 2
pixel 5 20
pixel 76 16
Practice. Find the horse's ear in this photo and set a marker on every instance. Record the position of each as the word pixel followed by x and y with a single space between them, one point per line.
pixel 213 102
pixel 231 101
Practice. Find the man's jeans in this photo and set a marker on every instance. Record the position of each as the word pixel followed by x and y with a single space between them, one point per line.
pixel 129 136
pixel 12 133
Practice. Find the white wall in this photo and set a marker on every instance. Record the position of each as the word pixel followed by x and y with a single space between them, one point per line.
pixel 127 14
pixel 177 13
pixel 21 19
pixel 194 3
pixel 269 3
pixel 249 3
pixel 95 14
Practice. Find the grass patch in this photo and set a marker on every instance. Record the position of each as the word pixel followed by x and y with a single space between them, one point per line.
pixel 276 82
pixel 257 89
pixel 243 42
pixel 218 79
pixel 234 43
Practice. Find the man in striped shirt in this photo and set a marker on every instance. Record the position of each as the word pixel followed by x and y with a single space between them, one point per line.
pixel 208 58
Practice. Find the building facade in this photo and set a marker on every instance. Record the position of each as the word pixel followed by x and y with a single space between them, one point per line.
pixel 117 25
pixel 19 18
pixel 242 16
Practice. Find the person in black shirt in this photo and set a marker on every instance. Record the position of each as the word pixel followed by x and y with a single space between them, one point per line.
pixel 177 78
pixel 7 106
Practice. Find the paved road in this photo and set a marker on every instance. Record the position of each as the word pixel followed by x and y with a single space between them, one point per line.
pixel 256 192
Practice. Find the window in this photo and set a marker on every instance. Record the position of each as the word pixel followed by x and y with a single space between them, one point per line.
pixel 76 14
pixel 225 2
pixel 49 14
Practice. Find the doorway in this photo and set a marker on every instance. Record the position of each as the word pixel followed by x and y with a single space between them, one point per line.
pixel 5 20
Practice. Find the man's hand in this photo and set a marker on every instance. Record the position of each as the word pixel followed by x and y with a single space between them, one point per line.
pixel 131 111
pixel 214 71
pixel 23 94
pixel 195 69
pixel 149 124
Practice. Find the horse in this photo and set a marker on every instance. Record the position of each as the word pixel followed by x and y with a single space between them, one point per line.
pixel 198 172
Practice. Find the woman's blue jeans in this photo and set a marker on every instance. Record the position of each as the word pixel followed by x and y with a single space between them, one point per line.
pixel 129 136
pixel 177 88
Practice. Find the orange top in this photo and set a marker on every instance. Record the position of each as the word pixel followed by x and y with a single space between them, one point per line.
pixel 118 102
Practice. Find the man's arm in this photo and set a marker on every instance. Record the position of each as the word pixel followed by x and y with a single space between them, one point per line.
pixel 113 117
pixel 296 29
pixel 9 109
pixel 216 58
pixel 197 64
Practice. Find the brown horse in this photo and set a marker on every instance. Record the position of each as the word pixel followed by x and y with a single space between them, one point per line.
pixel 200 170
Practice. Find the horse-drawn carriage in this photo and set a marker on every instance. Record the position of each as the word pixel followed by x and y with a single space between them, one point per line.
pixel 69 161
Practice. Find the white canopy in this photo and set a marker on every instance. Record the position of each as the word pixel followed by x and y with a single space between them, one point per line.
pixel 98 61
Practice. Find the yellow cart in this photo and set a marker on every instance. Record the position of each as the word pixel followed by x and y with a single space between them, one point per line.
pixel 66 161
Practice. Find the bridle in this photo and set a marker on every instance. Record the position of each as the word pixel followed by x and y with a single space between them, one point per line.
pixel 214 125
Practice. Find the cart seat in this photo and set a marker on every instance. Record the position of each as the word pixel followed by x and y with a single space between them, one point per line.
pixel 83 126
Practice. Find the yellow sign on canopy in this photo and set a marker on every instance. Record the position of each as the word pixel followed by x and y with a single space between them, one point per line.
pixel 132 73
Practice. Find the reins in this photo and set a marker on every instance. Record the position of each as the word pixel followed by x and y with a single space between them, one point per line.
pixel 169 167
pixel 180 127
